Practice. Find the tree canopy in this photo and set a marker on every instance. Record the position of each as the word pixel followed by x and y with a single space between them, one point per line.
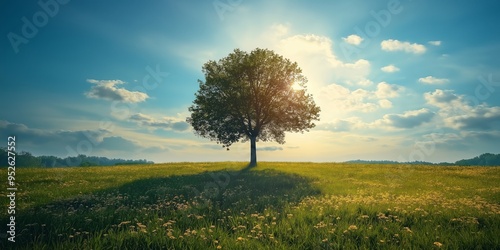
pixel 252 96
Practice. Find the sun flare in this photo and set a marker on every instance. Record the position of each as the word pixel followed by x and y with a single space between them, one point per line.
pixel 296 86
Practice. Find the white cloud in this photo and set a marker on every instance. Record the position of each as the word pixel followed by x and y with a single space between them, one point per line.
pixel 106 89
pixel 342 125
pixel 363 83
pixel 279 30
pixel 386 90
pixel 435 43
pixel 353 39
pixel 344 100
pixel 433 80
pixel 313 53
pixel 390 68
pixel 408 119
pixel 442 98
pixel 395 45
pixel 459 113
pixel 168 123
pixel 384 103
pixel 481 117
pixel 318 49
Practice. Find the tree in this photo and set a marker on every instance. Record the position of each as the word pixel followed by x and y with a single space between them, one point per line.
pixel 252 97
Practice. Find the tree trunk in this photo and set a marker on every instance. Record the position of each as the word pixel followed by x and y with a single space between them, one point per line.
pixel 253 151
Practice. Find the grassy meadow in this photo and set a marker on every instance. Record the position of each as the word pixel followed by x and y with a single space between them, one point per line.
pixel 224 205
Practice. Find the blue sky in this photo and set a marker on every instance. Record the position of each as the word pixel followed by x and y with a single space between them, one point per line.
pixel 396 80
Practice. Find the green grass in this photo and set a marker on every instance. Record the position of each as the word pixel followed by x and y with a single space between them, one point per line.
pixel 272 206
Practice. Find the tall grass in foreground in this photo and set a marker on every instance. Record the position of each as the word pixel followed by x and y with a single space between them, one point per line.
pixel 272 206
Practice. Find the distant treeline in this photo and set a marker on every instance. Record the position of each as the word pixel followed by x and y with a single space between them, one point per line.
pixel 482 160
pixel 26 159
pixel 486 159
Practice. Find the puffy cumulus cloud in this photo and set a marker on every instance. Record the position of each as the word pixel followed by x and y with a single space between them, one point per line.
pixel 390 68
pixel 167 123
pixel 435 43
pixel 386 90
pixel 442 98
pixel 384 103
pixel 309 46
pixel 346 100
pixel 480 117
pixel 343 99
pixel 313 52
pixel 395 45
pixel 315 55
pixel 353 39
pixel 108 90
pixel 408 119
pixel 363 83
pixel 458 112
pixel 433 80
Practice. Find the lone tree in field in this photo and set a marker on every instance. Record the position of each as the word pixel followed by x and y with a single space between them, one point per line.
pixel 252 97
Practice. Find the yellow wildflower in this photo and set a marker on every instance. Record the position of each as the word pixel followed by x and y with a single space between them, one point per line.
pixel 438 244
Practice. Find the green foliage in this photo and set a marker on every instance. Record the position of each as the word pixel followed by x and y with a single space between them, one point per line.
pixel 271 206
pixel 26 159
pixel 486 159
pixel 247 96
pixel 22 159
pixel 87 164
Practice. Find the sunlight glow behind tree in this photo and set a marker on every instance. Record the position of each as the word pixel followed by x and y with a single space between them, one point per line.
pixel 255 96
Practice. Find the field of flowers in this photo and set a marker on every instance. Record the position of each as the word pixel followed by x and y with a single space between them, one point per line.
pixel 272 206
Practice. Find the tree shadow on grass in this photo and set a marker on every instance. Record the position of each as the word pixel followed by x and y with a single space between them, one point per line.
pixel 189 201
